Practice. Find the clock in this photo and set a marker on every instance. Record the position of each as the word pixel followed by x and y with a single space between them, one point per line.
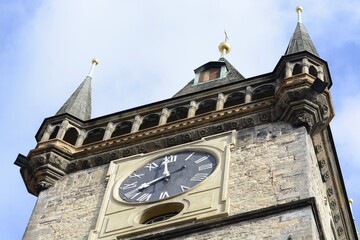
pixel 167 176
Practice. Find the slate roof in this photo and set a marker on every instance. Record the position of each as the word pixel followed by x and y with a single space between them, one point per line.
pixel 232 75
pixel 79 103
pixel 301 41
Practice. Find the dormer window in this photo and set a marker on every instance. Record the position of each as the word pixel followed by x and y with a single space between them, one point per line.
pixel 210 71
pixel 209 74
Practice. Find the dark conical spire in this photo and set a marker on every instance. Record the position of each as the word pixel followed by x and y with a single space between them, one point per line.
pixel 79 103
pixel 300 40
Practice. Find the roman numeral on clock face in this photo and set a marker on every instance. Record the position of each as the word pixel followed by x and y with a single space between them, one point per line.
pixel 164 195
pixel 184 188
pixel 205 166
pixel 170 159
pixel 151 166
pixel 132 194
pixel 199 177
pixel 144 197
pixel 129 185
pixel 136 175
pixel 201 159
pixel 187 158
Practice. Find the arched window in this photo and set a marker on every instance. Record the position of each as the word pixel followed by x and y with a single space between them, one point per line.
pixel 263 91
pixel 206 106
pixel 122 128
pixel 94 136
pixel 297 69
pixel 234 99
pixel 313 71
pixel 71 136
pixel 150 120
pixel 177 114
pixel 54 132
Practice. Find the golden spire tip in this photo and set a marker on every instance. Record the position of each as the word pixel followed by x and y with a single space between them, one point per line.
pixel 95 60
pixel 225 47
pixel 299 8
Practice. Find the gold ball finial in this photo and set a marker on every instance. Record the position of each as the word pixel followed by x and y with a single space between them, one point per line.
pixel 95 60
pixel 224 46
pixel 350 200
pixel 299 8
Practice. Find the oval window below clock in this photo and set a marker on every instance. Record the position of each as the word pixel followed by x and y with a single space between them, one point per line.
pixel 159 213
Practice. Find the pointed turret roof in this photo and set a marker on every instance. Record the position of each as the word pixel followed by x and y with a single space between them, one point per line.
pixel 300 40
pixel 79 103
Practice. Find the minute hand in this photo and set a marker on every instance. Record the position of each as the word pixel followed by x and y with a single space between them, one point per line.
pixel 146 185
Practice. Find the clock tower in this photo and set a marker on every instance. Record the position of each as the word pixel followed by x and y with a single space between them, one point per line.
pixel 226 157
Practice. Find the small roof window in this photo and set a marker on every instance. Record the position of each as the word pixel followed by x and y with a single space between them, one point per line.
pixel 210 71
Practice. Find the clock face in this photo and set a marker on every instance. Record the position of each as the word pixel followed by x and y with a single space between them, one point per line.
pixel 167 176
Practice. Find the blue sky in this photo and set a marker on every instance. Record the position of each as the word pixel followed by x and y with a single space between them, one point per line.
pixel 147 52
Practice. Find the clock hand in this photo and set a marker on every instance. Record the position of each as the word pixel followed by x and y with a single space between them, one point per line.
pixel 166 172
pixel 146 185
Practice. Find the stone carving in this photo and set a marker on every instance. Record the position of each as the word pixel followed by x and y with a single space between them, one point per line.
pixel 85 164
pixel 141 149
pixel 187 137
pixel 42 185
pixel 330 191
pixel 325 176
pixel 333 205
pixel 322 163
pixel 318 148
pixel 304 120
pixel 340 231
pixel 248 122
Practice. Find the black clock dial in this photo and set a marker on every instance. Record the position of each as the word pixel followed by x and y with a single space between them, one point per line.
pixel 167 176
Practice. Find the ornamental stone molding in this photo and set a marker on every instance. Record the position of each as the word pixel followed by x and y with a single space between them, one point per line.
pixel 299 105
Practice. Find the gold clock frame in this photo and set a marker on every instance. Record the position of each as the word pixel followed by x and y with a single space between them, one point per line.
pixel 206 200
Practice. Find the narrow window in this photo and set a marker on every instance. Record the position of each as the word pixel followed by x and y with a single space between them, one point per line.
pixel 313 71
pixel 297 69
pixel 122 128
pixel 71 136
pixel 54 132
pixel 206 106
pixel 263 92
pixel 94 136
pixel 234 99
pixel 177 114
pixel 150 120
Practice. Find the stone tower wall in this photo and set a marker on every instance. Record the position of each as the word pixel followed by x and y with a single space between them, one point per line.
pixel 271 164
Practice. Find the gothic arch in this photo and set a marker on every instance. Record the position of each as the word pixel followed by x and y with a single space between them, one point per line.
pixel 297 69
pixel 234 98
pixel 54 132
pixel 71 135
pixel 122 128
pixel 313 71
pixel 177 114
pixel 263 91
pixel 150 120
pixel 205 106
pixel 94 135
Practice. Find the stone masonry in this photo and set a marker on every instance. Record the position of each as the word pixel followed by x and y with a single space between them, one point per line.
pixel 271 164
